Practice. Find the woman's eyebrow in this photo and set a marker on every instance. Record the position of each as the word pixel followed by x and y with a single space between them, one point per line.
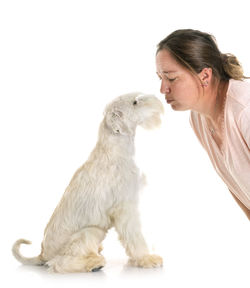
pixel 167 72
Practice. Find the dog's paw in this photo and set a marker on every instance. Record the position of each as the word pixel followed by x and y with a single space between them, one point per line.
pixel 147 261
pixel 70 264
pixel 94 263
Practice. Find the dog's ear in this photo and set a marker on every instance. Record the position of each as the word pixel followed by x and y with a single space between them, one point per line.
pixel 114 121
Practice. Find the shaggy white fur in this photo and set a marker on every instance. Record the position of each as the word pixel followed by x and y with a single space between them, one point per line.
pixel 102 194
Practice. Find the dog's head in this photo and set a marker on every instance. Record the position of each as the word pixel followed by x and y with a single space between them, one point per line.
pixel 124 113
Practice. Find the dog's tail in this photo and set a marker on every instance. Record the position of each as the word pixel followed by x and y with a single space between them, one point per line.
pixel 27 261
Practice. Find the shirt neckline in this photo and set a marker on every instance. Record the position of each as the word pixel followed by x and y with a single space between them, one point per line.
pixel 222 149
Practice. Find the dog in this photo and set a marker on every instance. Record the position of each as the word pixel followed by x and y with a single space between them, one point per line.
pixel 102 194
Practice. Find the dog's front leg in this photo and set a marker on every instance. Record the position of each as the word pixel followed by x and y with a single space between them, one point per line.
pixel 127 224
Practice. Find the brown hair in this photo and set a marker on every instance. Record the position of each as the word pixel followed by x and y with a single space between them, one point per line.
pixel 196 50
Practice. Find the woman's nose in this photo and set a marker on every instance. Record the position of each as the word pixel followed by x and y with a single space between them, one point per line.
pixel 164 87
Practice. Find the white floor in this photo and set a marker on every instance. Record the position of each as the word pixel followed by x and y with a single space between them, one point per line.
pixel 196 271
pixel 194 256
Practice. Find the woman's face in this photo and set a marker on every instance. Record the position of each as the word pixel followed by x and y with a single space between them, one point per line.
pixel 181 88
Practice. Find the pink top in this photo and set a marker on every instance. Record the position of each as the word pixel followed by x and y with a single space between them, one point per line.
pixel 232 160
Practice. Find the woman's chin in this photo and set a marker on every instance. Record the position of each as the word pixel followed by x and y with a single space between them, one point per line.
pixel 176 107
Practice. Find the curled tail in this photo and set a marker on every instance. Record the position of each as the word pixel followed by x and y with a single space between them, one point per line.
pixel 27 261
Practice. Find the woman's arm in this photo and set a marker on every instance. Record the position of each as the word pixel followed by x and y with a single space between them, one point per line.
pixel 242 206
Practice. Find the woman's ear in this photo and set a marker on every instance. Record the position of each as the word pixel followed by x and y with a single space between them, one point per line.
pixel 114 121
pixel 206 76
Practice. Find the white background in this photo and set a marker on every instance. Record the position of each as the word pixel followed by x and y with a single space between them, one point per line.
pixel 60 63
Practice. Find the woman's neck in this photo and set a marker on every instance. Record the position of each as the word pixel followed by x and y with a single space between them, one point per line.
pixel 214 103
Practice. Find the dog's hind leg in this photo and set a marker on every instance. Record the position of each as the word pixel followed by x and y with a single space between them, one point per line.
pixel 81 253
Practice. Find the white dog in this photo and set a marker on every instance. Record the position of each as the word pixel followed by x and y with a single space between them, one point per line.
pixel 102 194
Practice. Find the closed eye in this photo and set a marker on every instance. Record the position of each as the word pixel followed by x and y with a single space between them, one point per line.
pixel 169 79
pixel 172 79
pixel 165 77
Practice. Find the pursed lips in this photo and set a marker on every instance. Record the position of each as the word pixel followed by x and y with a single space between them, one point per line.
pixel 169 100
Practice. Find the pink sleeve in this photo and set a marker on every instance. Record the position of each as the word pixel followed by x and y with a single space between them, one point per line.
pixel 244 125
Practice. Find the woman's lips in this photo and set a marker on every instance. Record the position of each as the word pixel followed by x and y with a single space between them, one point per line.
pixel 169 100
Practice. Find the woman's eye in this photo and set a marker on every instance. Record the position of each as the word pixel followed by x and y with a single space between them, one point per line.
pixel 171 79
pixel 135 102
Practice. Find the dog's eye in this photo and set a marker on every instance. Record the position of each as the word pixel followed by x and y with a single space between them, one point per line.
pixel 135 102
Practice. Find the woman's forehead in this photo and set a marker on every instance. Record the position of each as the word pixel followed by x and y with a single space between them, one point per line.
pixel 166 63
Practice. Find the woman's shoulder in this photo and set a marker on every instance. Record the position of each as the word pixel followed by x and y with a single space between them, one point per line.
pixel 239 106
pixel 239 93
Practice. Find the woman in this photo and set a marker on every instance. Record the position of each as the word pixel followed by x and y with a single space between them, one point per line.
pixel 196 76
